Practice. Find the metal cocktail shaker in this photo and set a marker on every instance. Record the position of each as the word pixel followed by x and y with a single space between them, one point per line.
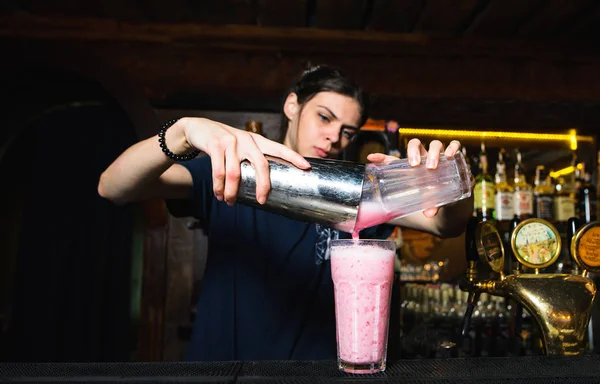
pixel 329 193
pixel 352 196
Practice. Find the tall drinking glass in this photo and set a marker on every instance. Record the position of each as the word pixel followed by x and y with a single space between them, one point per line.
pixel 363 274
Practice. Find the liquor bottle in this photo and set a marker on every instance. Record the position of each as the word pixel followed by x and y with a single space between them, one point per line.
pixel 564 209
pixel 543 195
pixel 586 198
pixel 483 192
pixel 503 191
pixel 523 194
pixel 564 201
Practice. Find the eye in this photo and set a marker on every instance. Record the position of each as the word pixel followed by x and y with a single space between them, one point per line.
pixel 349 133
pixel 324 118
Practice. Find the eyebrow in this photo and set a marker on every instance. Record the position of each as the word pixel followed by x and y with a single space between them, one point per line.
pixel 335 117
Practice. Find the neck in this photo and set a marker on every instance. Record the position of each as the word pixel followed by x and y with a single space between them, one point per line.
pixel 286 140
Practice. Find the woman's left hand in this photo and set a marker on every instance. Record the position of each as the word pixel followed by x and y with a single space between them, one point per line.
pixel 414 151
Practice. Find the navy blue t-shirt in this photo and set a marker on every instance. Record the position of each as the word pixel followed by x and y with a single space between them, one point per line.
pixel 263 296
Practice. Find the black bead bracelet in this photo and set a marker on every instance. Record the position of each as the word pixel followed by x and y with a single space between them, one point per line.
pixel 166 151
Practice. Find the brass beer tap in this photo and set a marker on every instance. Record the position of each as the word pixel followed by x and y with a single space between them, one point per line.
pixel 560 303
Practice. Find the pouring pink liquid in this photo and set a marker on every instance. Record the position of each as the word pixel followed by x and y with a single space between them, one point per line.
pixel 363 273
pixel 370 214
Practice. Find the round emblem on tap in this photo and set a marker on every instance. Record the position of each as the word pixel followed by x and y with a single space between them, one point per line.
pixel 585 247
pixel 536 243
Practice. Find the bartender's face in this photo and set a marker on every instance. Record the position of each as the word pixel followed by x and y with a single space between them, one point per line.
pixel 323 126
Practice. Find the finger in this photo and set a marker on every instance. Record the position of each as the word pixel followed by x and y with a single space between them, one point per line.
pixel 452 148
pixel 273 148
pixel 232 173
pixel 430 212
pixel 261 169
pixel 217 158
pixel 377 157
pixel 433 156
pixel 414 151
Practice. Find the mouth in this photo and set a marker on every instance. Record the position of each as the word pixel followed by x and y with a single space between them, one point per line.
pixel 321 152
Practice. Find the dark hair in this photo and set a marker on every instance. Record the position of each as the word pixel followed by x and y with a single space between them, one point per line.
pixel 322 78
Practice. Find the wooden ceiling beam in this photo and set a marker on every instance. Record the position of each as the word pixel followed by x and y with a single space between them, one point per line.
pixel 166 69
pixel 257 39
pixel 547 22
pixel 340 14
pixel 395 15
pixel 502 18
pixel 445 17
pixel 418 79
pixel 277 13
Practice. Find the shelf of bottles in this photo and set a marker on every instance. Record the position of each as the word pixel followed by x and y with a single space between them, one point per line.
pixel 433 310
pixel 432 318
pixel 550 195
pixel 428 272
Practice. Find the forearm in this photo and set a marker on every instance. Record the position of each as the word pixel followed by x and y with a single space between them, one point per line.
pixel 140 166
pixel 450 221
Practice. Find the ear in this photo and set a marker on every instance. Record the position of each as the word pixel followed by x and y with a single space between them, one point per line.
pixel 291 107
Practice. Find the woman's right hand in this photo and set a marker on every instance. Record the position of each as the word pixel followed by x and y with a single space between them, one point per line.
pixel 228 147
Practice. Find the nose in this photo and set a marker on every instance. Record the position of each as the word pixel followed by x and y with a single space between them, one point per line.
pixel 332 134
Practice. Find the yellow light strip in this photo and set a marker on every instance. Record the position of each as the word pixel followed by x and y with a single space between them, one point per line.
pixel 565 171
pixel 562 172
pixel 572 138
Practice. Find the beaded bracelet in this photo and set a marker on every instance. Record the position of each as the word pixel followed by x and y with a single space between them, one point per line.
pixel 166 151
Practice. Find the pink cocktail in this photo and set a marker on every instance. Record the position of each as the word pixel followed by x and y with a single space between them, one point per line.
pixel 363 273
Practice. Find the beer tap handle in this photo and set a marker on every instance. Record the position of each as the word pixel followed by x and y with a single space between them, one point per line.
pixel 573 225
pixel 470 244
pixel 470 277
pixel 466 322
pixel 516 326
pixel 515 265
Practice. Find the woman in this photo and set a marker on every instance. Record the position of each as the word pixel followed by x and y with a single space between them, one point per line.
pixel 267 291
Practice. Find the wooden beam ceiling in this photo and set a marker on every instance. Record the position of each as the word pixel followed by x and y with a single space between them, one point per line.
pixel 428 78
pixel 395 16
pixel 341 14
pixel 503 18
pixel 555 15
pixel 277 13
pixel 445 17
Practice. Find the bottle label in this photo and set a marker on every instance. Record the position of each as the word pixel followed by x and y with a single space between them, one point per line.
pixel 544 207
pixel 504 206
pixel 564 208
pixel 483 194
pixel 523 203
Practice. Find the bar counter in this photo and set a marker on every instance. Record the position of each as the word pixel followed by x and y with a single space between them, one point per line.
pixel 532 370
